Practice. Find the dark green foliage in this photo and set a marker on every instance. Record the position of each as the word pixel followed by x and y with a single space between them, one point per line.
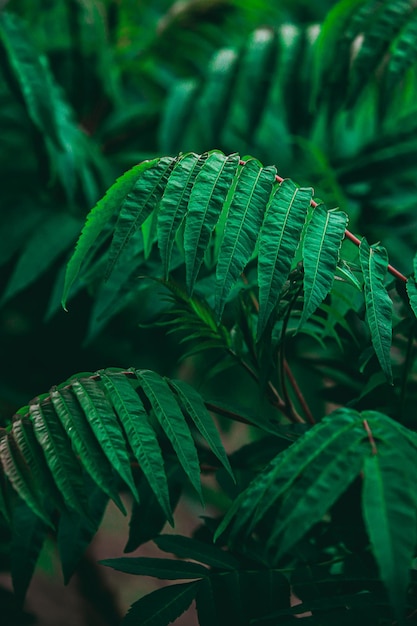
pixel 285 323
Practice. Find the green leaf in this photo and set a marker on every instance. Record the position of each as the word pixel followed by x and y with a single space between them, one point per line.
pixel 411 286
pixel 25 439
pixel 105 426
pixel 168 569
pixel 148 519
pixel 32 74
pixel 18 472
pixel 54 235
pixel 59 455
pixel 75 533
pixel 140 434
pixel 287 467
pixel 390 512
pixel 380 31
pixel 174 203
pixel 138 204
pixel 169 415
pixel 207 197
pixel 256 72
pixel 216 94
pixel 196 410
pixel 187 548
pixel 28 535
pixel 180 104
pixel 243 224
pixel 98 218
pixel 374 262
pixel 162 606
pixel 323 238
pixel 278 242
pixel 308 500
pixel 402 52
pixel 85 444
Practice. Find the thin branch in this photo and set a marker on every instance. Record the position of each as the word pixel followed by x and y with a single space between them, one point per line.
pixel 370 437
pixel 298 393
pixel 392 270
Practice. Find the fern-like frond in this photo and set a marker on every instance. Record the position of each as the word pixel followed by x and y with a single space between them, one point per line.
pixel 225 592
pixel 389 504
pixel 224 200
pixel 138 205
pixel 301 484
pixel 98 218
pixel 72 157
pixel 381 30
pixel 92 428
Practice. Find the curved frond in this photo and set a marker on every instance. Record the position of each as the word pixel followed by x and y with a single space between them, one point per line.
pixel 322 460
pixel 98 218
pixel 383 26
pixel 139 203
pixel 91 429
pixel 389 504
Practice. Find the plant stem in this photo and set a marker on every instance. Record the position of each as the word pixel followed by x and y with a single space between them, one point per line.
pixel 298 393
pixel 392 270
pixel 370 437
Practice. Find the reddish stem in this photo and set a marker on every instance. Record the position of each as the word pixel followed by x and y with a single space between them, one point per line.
pixel 392 270
pixel 298 393
pixel 370 437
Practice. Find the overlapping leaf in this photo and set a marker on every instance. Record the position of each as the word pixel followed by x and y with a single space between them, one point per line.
pixel 389 504
pixel 87 446
pixel 321 246
pixel 139 203
pixel 327 458
pixel 374 262
pixel 98 218
pixel 169 415
pixel 106 428
pixel 279 239
pixel 174 203
pixel 140 434
pixel 206 201
pixel 242 227
pixel 88 429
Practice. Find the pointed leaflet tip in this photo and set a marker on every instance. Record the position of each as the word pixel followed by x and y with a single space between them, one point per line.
pixel 374 263
pixel 97 219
